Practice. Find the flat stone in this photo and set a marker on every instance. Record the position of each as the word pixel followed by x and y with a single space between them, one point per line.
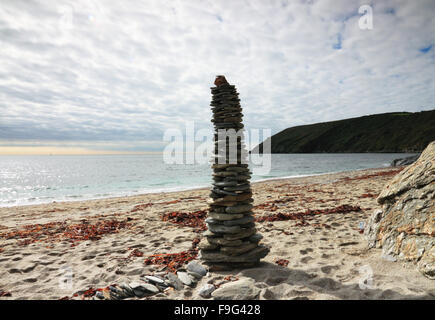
pixel 224 229
pixel 218 267
pixel 244 233
pixel 208 233
pixel 241 221
pixel 238 178
pixel 150 288
pixel 218 191
pixel 238 197
pixel 243 289
pixel 127 289
pixel 238 188
pixel 174 281
pixel 117 293
pixel 239 209
pixel 255 238
pixel 195 275
pixel 218 209
pixel 99 295
pixel 194 266
pixel 225 216
pixel 139 293
pixel 250 225
pixel 225 242
pixel 251 256
pixel 221 166
pixel 225 184
pixel 235 251
pixel 185 278
pixel 156 280
pixel 135 284
pixel 237 169
pixel 224 174
pixel 224 203
pixel 213 221
pixel 206 245
pixel 206 290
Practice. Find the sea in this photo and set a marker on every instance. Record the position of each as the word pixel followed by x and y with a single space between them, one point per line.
pixel 35 179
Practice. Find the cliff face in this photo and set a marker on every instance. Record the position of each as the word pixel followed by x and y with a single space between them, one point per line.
pixel 388 132
pixel 405 227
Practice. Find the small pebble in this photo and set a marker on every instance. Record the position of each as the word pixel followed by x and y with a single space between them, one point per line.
pixel 185 278
pixel 206 290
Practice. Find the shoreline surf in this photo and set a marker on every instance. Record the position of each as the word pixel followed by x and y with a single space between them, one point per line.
pixel 170 190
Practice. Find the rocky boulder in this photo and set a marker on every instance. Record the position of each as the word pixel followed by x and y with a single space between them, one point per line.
pixel 404 161
pixel 405 227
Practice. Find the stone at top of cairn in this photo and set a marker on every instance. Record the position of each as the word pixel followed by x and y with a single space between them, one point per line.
pixel 231 240
pixel 220 80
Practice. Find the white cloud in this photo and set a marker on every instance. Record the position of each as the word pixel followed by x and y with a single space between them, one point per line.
pixel 106 70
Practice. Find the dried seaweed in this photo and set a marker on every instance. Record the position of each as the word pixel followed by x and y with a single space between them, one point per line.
pixel 174 261
pixel 5 293
pixel 302 215
pixel 282 262
pixel 58 231
pixel 373 175
pixel 189 219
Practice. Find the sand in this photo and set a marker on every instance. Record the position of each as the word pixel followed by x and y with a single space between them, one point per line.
pixel 327 255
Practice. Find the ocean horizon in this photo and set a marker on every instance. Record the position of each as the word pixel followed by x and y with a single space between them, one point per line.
pixel 37 179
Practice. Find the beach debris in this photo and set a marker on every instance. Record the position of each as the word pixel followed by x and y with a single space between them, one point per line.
pixel 368 195
pixel 361 226
pixel 373 175
pixel 5 293
pixel 303 215
pixel 189 219
pixel 141 207
pixel 136 253
pixel 231 278
pixel 282 262
pixel 58 231
pixel 230 222
pixel 172 261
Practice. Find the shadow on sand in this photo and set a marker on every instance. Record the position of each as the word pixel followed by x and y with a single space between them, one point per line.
pixel 282 283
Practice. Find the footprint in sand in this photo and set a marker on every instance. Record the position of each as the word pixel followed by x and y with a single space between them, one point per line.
pixel 88 257
pixel 328 269
pixel 306 259
pixel 326 283
pixel 14 270
pixel 305 251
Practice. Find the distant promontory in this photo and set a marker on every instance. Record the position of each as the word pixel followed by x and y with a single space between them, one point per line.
pixel 386 132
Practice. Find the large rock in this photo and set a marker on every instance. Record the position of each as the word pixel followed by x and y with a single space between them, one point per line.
pixel 243 289
pixel 405 227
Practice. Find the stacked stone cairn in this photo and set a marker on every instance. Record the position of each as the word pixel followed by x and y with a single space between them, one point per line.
pixel 231 240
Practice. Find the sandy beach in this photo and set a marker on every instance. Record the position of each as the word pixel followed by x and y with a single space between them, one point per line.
pixel 311 224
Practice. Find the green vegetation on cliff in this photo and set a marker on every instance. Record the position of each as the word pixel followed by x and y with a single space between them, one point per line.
pixel 386 132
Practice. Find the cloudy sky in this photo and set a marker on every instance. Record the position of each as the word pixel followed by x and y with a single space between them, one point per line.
pixel 112 75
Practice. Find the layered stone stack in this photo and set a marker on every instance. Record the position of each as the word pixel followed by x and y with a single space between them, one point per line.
pixel 231 240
